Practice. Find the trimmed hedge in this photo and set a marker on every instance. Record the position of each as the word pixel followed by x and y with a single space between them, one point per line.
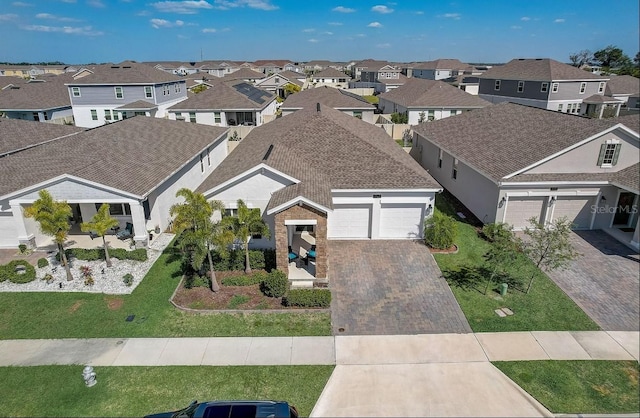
pixel 245 279
pixel 440 231
pixel 94 254
pixel 259 259
pixel 308 298
pixel 42 262
pixel 275 285
pixel 8 271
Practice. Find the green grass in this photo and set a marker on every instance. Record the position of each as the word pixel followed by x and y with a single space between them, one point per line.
pixel 578 387
pixel 136 391
pixel 85 315
pixel 371 99
pixel 546 307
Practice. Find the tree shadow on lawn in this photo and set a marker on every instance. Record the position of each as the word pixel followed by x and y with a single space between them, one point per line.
pixel 474 278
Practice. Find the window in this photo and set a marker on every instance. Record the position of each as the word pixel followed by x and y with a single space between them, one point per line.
pixel 440 155
pixel 554 87
pixel 192 117
pixel 119 92
pixel 209 156
pixel 230 212
pixel 601 87
pixel 216 117
pixel 520 86
pixel 148 92
pixel 75 91
pixel 497 85
pixel 107 114
pixel 277 79
pixel 431 115
pixel 560 107
pixel 94 114
pixel 453 112
pixel 454 173
pixel 202 162
pixel 165 90
pixel 609 152
pixel 117 209
pixel 357 114
pixel 36 116
pixel 177 87
pixel 574 107
pixel 544 87
pixel 139 114
pixel 583 87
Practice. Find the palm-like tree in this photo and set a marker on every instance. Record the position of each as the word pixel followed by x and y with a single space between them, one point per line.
pixel 100 224
pixel 248 222
pixel 53 217
pixel 198 233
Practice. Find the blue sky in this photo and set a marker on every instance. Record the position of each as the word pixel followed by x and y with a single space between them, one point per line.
pixel 491 31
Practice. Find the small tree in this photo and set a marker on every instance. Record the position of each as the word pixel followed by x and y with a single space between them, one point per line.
pixel 291 88
pixel 502 251
pixel 100 224
pixel 247 223
pixel 549 246
pixel 440 231
pixel 53 217
pixel 422 117
pixel 399 117
pixel 199 88
pixel 581 58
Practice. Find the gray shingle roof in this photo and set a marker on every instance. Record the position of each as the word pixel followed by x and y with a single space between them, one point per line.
pixel 223 96
pixel 244 74
pixel 442 64
pixel 49 94
pixel 417 92
pixel 504 138
pixel 539 69
pixel 628 178
pixel 599 98
pixel 622 84
pixel 288 74
pixel 324 150
pixel 331 72
pixel 124 73
pixel 17 134
pixel 133 155
pixel 138 105
pixel 328 96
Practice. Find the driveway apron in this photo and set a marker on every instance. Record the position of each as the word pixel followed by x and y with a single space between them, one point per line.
pixel 603 281
pixel 390 287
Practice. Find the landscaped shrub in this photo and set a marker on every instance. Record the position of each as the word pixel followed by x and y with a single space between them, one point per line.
pixel 275 284
pixel 127 279
pixel 440 231
pixel 496 230
pixel 308 298
pixel 195 280
pixel 8 271
pixel 94 254
pixel 235 260
pixel 22 248
pixel 42 262
pixel 245 279
pixel 139 254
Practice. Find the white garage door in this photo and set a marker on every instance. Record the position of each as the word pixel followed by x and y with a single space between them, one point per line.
pixel 349 221
pixel 400 221
pixel 521 209
pixel 576 209
pixel 8 232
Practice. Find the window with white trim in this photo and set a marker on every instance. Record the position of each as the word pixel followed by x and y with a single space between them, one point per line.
pixel 75 91
pixel 544 87
pixel 583 87
pixel 609 152
pixel 560 107
pixel 601 87
pixel 148 92
pixel 94 114
pixel 165 90
pixel 202 162
pixel 192 117
pixel 440 155
pixel 107 114
pixel 555 87
pixel 216 117
pixel 497 85
pixel 520 86
pixel 209 156
pixel 119 92
pixel 177 88
pixel 454 172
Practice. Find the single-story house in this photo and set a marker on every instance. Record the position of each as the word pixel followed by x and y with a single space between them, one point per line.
pixel 136 165
pixel 276 83
pixel 17 135
pixel 339 99
pixel 331 77
pixel 625 88
pixel 42 100
pixel 319 174
pixel 510 162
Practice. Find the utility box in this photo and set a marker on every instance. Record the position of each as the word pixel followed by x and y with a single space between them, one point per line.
pixel 503 289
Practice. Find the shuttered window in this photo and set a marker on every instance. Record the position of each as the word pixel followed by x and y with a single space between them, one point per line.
pixel 609 153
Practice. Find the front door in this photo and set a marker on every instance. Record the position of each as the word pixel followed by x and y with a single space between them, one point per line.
pixel 624 209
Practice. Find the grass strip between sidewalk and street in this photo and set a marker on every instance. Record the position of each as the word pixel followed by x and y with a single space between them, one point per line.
pixel 578 387
pixel 137 391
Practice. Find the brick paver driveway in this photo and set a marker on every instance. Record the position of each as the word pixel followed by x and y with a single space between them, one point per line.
pixel 603 281
pixel 390 287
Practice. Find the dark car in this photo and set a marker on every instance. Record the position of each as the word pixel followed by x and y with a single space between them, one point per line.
pixel 232 409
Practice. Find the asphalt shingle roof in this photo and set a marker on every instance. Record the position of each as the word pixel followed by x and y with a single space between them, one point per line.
pixel 126 72
pixel 622 84
pixel 223 96
pixel 417 92
pixel 138 105
pixel 328 96
pixel 16 134
pixel 134 155
pixel 331 72
pixel 442 64
pixel 325 150
pixel 538 69
pixel 41 95
pixel 244 74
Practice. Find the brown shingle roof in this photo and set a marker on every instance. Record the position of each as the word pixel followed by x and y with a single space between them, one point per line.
pixel 16 134
pixel 442 64
pixel 244 74
pixel 292 74
pixel 629 178
pixel 124 73
pixel 223 96
pixel 324 150
pixel 50 94
pixel 331 72
pixel 622 84
pixel 539 69
pixel 138 105
pixel 501 139
pixel 328 96
pixel 417 92
pixel 133 155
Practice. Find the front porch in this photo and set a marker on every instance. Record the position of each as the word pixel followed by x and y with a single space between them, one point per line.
pixel 302 269
pixel 79 239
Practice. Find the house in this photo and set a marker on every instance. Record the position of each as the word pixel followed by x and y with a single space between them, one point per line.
pixel 379 75
pixel 43 100
pixel 18 135
pixel 218 68
pixel 317 175
pixel 509 163
pixel 246 74
pixel 315 66
pixel 427 100
pixel 338 99
pixel 276 83
pixel 543 83
pixel 227 104
pixel 624 88
pixel 438 69
pixel 269 67
pixel 136 165
pixel 97 92
pixel 331 77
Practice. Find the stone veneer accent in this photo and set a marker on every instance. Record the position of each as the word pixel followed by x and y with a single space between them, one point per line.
pixel 302 212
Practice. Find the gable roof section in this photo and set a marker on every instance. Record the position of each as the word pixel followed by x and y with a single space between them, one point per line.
pixel 502 139
pixel 417 92
pixel 222 96
pixel 244 74
pixel 126 72
pixel 442 64
pixel 49 94
pixel 623 85
pixel 328 96
pixel 325 150
pixel 538 69
pixel 133 155
pixel 331 72
pixel 288 74
pixel 16 134
pixel 138 105
pixel 628 179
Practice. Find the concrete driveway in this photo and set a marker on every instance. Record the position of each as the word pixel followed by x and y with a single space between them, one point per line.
pixel 390 287
pixel 603 281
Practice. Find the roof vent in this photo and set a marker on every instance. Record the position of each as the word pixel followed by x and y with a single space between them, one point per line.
pixel 317 107
pixel 266 155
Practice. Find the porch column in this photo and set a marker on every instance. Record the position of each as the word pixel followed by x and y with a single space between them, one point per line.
pixel 139 224
pixel 21 228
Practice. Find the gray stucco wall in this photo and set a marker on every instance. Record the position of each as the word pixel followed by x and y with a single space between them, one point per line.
pixel 105 95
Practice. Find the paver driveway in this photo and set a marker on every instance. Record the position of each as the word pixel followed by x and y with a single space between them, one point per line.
pixel 389 288
pixel 603 281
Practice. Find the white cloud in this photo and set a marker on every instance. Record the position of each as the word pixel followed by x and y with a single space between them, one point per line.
pixel 335 23
pixel 96 3
pixel 559 21
pixel 252 4
pixel 21 4
pixel 54 17
pixel 84 30
pixel 525 18
pixel 516 27
pixel 209 30
pixel 8 17
pixel 342 9
pixel 327 33
pixel 454 16
pixel 308 30
pixel 381 9
pixel 419 12
pixel 385 45
pixel 162 23
pixel 361 35
pixel 374 25
pixel 182 7
pixel 312 40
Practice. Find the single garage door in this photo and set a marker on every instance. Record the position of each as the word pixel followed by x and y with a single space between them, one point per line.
pixel 400 221
pixel 8 232
pixel 349 221
pixel 521 209
pixel 576 209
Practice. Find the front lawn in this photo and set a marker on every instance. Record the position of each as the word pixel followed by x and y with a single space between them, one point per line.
pixel 545 308
pixel 84 315
pixel 578 387
pixel 136 391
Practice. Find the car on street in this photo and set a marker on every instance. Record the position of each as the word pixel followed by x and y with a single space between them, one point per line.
pixel 232 409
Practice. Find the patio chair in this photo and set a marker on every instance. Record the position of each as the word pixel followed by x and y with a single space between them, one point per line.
pixel 312 252
pixel 127 232
pixel 292 255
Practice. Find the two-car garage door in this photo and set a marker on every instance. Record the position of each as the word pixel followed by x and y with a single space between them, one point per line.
pixel 356 221
pixel 575 208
